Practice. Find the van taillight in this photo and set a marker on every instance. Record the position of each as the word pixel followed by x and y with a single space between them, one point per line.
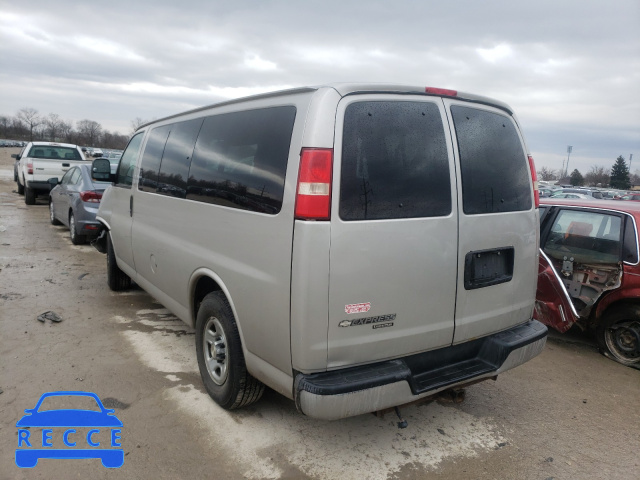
pixel 313 193
pixel 91 196
pixel 534 179
pixel 30 167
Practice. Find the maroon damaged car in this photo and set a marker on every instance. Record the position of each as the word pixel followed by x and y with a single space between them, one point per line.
pixel 589 272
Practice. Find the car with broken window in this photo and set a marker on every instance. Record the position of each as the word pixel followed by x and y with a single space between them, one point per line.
pixel 589 273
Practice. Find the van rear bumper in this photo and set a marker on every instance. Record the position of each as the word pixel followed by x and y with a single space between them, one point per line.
pixel 368 388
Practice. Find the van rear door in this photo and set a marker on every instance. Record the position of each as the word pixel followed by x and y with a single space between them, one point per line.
pixel 498 236
pixel 394 229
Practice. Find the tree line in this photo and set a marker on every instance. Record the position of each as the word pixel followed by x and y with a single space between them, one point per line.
pixel 29 125
pixel 618 176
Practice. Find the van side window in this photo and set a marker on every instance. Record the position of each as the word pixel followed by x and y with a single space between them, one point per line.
pixel 493 165
pixel 127 165
pixel 240 159
pixel 394 162
pixel 174 168
pixel 150 163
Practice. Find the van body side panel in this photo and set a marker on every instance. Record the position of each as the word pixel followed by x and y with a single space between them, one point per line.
pixel 309 293
pixel 249 251
pixel 497 256
pixel 393 280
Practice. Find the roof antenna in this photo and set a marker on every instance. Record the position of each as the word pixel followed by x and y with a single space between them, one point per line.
pixel 402 423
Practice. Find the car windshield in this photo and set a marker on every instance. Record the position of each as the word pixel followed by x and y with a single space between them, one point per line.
pixel 67 402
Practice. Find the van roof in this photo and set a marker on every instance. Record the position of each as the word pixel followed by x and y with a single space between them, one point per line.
pixel 345 89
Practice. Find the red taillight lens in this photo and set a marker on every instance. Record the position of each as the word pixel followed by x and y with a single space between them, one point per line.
pixel 534 179
pixel 441 91
pixel 91 196
pixel 313 197
pixel 30 167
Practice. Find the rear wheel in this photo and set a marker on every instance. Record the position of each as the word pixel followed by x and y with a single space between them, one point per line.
pixel 76 238
pixel 29 196
pixel 619 334
pixel 20 187
pixel 52 217
pixel 220 356
pixel 116 278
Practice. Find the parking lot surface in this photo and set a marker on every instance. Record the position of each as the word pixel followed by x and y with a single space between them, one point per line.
pixel 569 413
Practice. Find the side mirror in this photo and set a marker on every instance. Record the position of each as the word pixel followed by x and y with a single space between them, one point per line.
pixel 53 181
pixel 101 170
pixel 15 155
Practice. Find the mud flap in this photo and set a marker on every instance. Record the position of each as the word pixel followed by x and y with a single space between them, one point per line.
pixel 100 242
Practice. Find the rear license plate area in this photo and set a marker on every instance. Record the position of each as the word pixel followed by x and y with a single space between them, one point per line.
pixel 484 268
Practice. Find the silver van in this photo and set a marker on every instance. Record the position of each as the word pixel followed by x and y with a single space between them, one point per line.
pixel 353 247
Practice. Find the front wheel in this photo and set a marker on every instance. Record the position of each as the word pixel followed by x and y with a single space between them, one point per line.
pixel 116 278
pixel 220 356
pixel 619 334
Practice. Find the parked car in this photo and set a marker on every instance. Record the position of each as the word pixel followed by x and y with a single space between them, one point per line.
pixel 564 194
pixel 584 191
pixel 315 241
pixel 634 197
pixel 589 273
pixel 74 202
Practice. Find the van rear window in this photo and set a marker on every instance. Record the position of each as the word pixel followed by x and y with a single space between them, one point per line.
pixel 394 162
pixel 493 164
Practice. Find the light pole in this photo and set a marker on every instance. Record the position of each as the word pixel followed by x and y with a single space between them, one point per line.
pixel 569 148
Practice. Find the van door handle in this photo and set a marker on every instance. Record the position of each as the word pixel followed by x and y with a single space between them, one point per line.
pixel 65 165
pixel 131 206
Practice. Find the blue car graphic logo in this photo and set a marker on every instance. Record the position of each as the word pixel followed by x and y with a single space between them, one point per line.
pixel 84 433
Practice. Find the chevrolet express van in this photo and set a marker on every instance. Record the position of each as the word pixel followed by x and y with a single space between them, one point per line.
pixel 353 247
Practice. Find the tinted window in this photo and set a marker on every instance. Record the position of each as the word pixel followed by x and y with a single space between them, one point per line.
pixel 630 249
pixel 493 165
pixel 394 162
pixel 150 163
pixel 240 159
pixel 53 152
pixel 174 169
pixel 127 165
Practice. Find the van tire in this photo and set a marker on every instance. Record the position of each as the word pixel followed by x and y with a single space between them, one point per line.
pixel 116 278
pixel 618 333
pixel 226 378
pixel 29 196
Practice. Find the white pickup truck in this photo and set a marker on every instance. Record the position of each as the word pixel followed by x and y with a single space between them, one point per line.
pixel 40 161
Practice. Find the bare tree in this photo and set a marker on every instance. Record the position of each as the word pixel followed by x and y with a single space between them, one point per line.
pixel 89 132
pixel 597 176
pixel 53 123
pixel 30 118
pixel 546 174
pixel 136 123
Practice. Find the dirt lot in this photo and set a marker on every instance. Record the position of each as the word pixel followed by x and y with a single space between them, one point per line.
pixel 570 413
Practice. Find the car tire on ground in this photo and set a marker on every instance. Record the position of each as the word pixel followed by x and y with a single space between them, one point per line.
pixel 220 356
pixel 619 334
pixel 52 217
pixel 76 238
pixel 29 196
pixel 20 188
pixel 116 278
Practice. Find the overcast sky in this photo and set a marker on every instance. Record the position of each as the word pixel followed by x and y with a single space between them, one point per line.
pixel 569 68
